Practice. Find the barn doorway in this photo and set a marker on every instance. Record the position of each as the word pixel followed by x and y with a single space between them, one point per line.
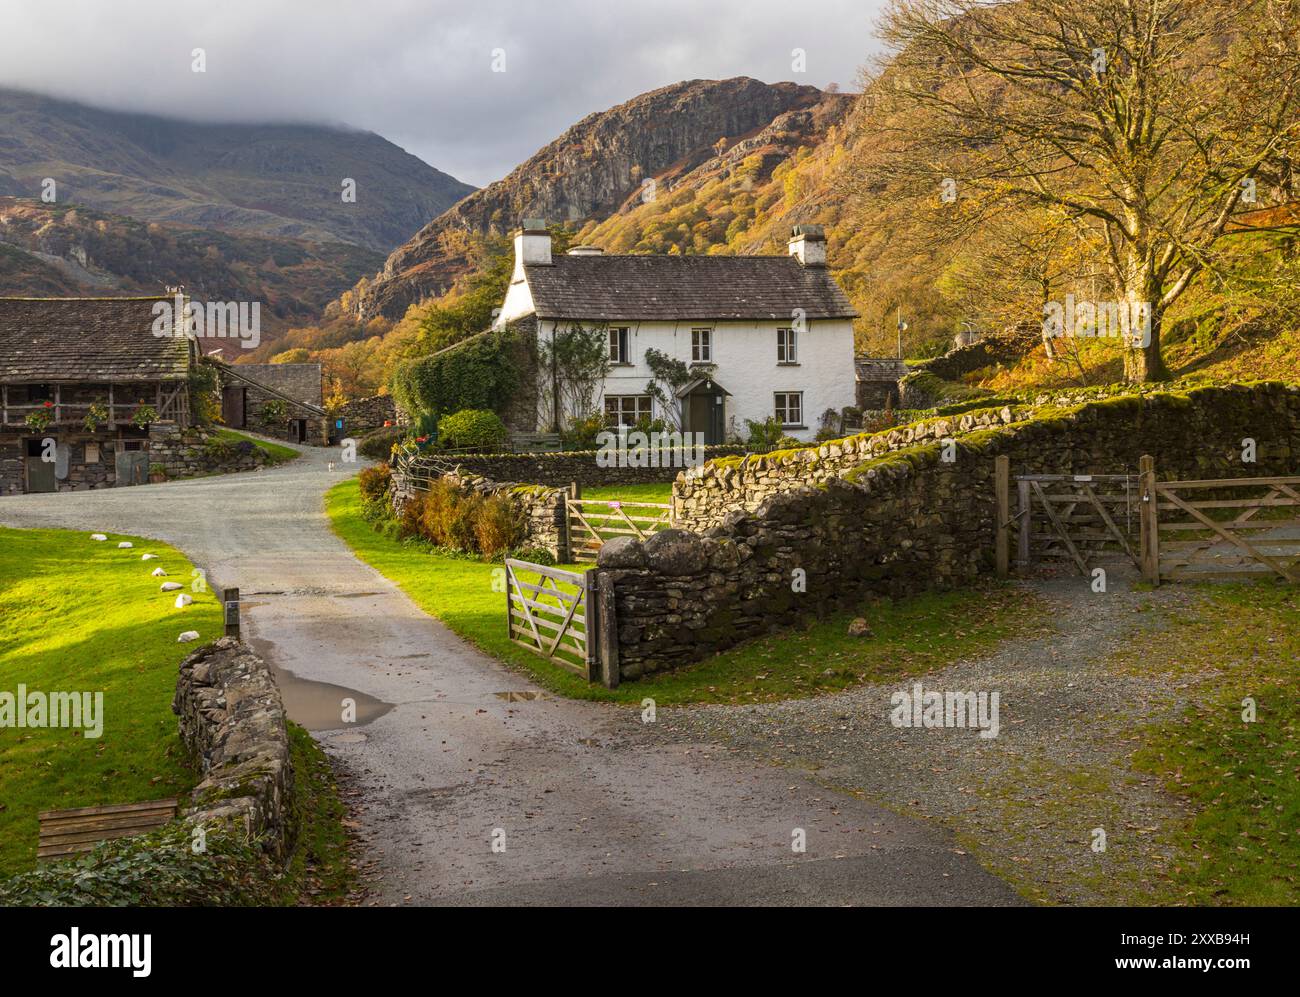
pixel 40 473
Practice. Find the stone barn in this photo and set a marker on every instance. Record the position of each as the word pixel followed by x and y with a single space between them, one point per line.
pixel 284 400
pixel 89 396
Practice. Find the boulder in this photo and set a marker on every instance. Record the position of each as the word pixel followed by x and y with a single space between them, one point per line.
pixel 621 552
pixel 676 552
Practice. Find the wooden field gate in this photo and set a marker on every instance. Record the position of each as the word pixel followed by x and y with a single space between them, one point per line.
pixel 588 523
pixel 565 616
pixel 1171 530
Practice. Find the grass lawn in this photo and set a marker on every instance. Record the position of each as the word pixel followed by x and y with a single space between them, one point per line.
pixel 1242 847
pixel 86 616
pixel 631 493
pixel 274 451
pixel 912 636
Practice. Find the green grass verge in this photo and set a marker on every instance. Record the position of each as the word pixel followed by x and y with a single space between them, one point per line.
pixel 631 493
pixel 1242 847
pixel 911 636
pixel 275 453
pixel 86 616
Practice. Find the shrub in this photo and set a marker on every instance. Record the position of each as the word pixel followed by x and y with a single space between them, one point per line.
pixel 274 412
pixel 582 432
pixel 499 526
pixel 763 435
pixel 481 373
pixel 374 482
pixel 378 445
pixel 472 428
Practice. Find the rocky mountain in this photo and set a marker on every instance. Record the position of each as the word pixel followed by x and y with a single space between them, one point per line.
pixel 277 181
pixel 595 169
pixel 51 249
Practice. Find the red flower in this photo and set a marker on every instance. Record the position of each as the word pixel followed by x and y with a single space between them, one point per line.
pixel 49 404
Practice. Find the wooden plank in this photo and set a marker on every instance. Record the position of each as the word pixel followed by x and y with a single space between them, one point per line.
pixel 1149 520
pixel 1280 503
pixel 575 668
pixel 1226 483
pixel 1234 538
pixel 1237 524
pixel 545 570
pixel 1026 514
pixel 1065 536
pixel 109 808
pixel 1110 524
pixel 620 503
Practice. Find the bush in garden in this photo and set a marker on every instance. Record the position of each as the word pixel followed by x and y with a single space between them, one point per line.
pixel 477 428
pixel 499 526
pixel 375 481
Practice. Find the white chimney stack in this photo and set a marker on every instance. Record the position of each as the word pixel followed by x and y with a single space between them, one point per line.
pixel 533 243
pixel 808 244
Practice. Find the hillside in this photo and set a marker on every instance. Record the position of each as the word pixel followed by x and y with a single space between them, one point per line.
pixel 278 181
pixel 588 173
pixel 56 250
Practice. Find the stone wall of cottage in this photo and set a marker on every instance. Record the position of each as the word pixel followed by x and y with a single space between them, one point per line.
pixel 232 721
pixel 908 521
pixel 297 380
pixel 705 496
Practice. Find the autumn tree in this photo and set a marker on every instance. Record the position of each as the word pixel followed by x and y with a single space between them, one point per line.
pixel 1148 123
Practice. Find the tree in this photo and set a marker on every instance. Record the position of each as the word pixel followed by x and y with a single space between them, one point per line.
pixel 1147 122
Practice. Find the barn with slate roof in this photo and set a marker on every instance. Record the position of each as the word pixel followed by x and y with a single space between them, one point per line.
pixel 763 336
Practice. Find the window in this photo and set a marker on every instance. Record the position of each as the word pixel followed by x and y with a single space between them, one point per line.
pixel 787 346
pixel 39 393
pixel 618 346
pixel 789 408
pixel 626 410
pixel 701 346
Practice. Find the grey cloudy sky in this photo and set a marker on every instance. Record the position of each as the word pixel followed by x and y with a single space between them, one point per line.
pixel 419 73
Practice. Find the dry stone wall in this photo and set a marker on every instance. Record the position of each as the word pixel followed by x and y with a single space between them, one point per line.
pixel 704 496
pixel 908 521
pixel 233 722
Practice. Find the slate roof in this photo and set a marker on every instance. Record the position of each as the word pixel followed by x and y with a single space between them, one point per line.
pixel 87 339
pixel 609 288
pixel 867 368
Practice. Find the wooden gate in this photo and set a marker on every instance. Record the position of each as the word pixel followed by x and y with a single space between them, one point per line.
pixel 590 522
pixel 565 616
pixel 1224 528
pixel 1080 521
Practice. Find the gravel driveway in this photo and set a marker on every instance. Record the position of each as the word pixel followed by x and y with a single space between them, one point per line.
pixel 1027 801
pixel 594 807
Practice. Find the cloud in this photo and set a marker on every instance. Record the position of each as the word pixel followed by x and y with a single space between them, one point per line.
pixel 419 73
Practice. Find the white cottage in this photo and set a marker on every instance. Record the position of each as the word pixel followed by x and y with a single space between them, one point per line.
pixel 770 335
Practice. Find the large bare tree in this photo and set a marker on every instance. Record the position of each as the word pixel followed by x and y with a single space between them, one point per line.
pixel 1148 123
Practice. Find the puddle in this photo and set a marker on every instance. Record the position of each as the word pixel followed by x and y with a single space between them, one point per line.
pixel 355 595
pixel 520 697
pixel 319 705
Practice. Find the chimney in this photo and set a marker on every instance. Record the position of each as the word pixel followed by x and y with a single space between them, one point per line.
pixel 808 244
pixel 533 243
pixel 586 251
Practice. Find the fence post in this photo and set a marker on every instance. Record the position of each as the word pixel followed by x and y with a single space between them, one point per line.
pixel 607 630
pixel 230 601
pixel 1002 489
pixel 1025 513
pixel 591 621
pixel 1149 521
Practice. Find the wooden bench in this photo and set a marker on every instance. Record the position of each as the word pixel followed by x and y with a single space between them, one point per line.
pixel 70 832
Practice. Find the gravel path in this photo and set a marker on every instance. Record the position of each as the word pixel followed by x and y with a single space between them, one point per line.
pixel 1026 802
pixel 594 808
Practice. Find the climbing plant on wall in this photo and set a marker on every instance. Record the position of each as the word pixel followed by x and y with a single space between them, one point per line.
pixel 480 373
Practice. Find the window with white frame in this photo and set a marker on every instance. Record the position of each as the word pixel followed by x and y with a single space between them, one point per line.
pixel 787 346
pixel 619 351
pixel 789 408
pixel 701 346
pixel 626 410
